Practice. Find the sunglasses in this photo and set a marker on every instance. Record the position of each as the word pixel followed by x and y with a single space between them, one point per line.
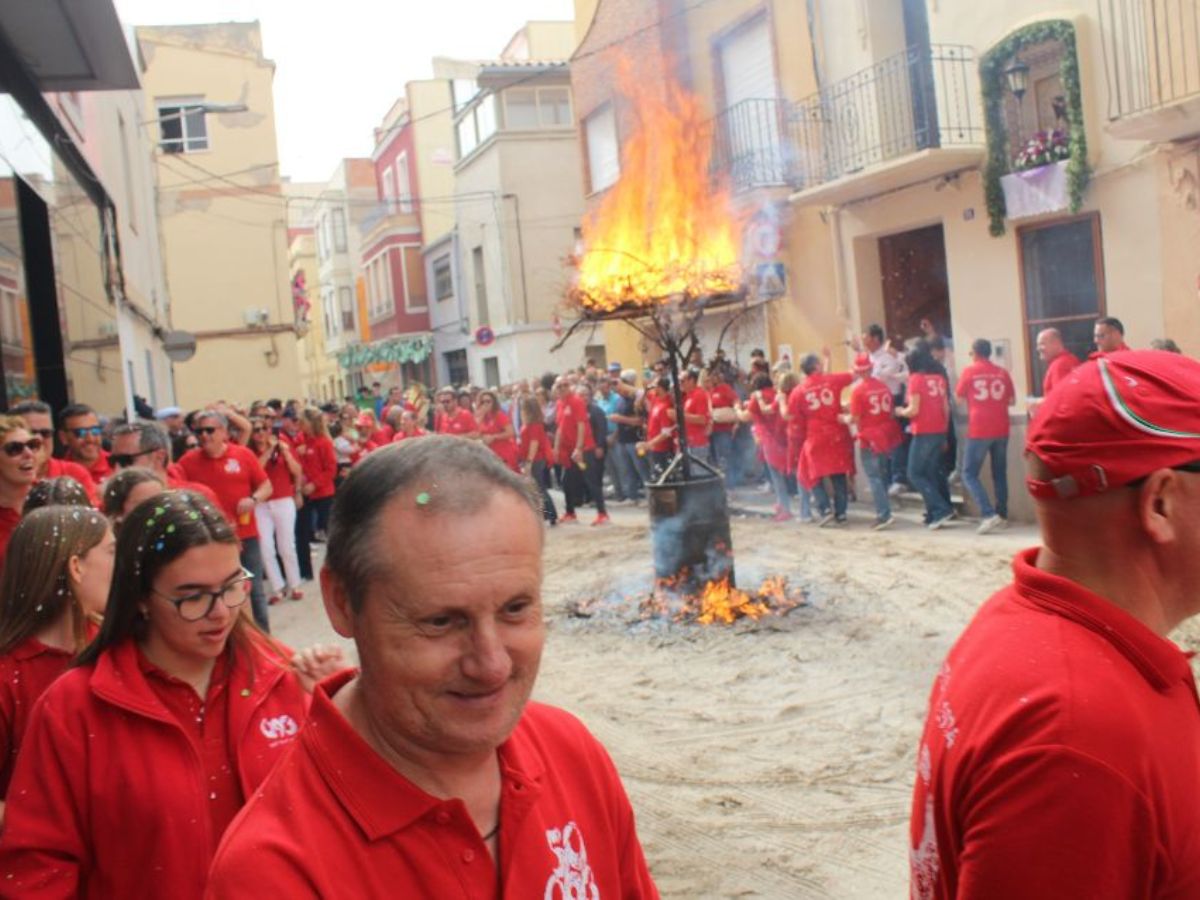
pixel 45 434
pixel 90 431
pixel 16 448
pixel 260 429
pixel 125 460
pixel 205 429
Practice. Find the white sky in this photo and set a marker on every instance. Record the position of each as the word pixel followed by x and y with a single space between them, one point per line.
pixel 339 65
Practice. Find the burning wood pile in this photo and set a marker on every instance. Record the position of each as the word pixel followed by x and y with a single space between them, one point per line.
pixel 718 601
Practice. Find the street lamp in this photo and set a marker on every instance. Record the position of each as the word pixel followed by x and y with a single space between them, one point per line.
pixel 1017 76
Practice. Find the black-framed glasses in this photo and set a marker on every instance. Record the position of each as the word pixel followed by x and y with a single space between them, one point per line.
pixel 16 448
pixel 125 460
pixel 89 431
pixel 205 429
pixel 260 429
pixel 198 605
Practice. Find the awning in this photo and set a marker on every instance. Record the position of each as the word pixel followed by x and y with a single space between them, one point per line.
pixel 69 45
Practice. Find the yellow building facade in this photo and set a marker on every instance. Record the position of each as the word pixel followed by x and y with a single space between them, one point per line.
pixel 222 214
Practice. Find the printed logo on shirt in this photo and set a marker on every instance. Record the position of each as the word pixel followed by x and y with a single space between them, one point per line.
pixel 232 466
pixel 278 729
pixel 572 878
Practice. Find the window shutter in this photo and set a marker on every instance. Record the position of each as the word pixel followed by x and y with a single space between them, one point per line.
pixel 604 156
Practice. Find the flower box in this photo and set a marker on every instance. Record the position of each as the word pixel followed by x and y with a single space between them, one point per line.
pixel 1038 191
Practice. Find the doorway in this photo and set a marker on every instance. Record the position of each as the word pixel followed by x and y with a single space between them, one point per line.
pixel 913 271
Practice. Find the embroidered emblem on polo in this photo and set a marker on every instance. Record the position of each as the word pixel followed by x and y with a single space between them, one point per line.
pixel 232 466
pixel 572 878
pixel 278 728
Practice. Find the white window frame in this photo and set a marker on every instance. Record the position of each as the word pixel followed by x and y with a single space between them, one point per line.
pixel 449 276
pixel 389 188
pixel 344 309
pixel 340 242
pixel 603 170
pixel 403 183
pixel 173 109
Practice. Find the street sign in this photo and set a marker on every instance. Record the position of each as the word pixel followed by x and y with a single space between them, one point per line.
pixel 484 336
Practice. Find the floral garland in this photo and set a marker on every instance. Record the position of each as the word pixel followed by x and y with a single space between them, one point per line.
pixel 993 84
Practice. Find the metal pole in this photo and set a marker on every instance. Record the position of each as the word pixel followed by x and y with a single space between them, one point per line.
pixel 672 348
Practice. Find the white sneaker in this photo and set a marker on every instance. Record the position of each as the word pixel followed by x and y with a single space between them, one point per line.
pixel 990 524
pixel 825 520
pixel 895 490
pixel 939 524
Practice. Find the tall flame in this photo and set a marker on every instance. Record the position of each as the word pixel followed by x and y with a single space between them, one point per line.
pixel 664 230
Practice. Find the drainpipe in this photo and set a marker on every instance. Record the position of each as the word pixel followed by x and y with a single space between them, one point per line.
pixel 833 215
pixel 520 253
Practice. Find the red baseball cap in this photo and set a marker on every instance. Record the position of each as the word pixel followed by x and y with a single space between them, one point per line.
pixel 862 363
pixel 1114 420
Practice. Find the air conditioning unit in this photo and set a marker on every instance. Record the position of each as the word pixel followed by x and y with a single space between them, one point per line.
pixel 255 316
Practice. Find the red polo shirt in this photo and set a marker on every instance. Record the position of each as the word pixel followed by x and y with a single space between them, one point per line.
pixel 25 673
pixel 334 820
pixel 571 411
pixel 458 422
pixel 57 468
pixel 723 397
pixel 871 405
pixel 1058 370
pixel 697 403
pixel 987 390
pixel 234 474
pixel 99 470
pixel 1061 755
pixel 934 413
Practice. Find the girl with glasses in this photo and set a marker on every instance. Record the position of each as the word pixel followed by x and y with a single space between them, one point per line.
pixel 18 471
pixel 144 751
pixel 50 607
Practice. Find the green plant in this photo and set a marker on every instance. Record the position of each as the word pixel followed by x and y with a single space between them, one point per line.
pixel 993 84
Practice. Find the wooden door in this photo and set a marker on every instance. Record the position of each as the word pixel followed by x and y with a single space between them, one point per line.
pixel 913 266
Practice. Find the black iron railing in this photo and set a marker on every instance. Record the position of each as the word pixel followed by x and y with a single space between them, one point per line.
pixel 923 98
pixel 754 143
pixel 1151 53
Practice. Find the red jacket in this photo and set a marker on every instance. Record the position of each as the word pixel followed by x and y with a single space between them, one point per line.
pixel 319 461
pixel 107 799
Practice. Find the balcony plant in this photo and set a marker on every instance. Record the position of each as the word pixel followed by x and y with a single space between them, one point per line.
pixel 1042 149
pixel 992 83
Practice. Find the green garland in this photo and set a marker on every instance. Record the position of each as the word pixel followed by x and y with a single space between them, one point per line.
pixel 993 86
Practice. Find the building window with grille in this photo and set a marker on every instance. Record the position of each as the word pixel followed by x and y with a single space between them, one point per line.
pixel 443 279
pixel 346 305
pixel 181 125
pixel 1062 280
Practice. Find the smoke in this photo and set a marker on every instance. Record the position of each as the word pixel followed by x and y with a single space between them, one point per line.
pixel 689 529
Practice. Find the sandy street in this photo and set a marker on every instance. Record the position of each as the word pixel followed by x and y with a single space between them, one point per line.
pixel 771 760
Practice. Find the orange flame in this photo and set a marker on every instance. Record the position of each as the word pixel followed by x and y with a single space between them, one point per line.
pixel 718 601
pixel 664 230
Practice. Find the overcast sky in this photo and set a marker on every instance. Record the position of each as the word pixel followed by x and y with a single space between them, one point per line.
pixel 341 64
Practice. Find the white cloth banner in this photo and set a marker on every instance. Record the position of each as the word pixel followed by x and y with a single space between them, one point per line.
pixel 1036 191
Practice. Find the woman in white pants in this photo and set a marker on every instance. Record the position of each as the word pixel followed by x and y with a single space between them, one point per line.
pixel 277 517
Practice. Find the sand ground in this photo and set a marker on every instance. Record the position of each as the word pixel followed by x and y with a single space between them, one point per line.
pixel 775 760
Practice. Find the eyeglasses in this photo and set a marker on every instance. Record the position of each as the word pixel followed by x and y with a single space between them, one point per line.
pixel 46 434
pixel 197 606
pixel 205 429
pixel 16 448
pixel 259 429
pixel 125 460
pixel 90 431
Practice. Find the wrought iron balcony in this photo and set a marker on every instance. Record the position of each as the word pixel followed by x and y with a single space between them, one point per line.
pixel 754 143
pixel 1152 63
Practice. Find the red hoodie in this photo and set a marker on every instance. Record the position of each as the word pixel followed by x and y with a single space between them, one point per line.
pixel 108 798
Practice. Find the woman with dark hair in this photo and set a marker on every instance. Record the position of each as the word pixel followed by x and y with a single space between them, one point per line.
pixel 495 428
pixel 61 491
pixel 276 519
pixel 50 606
pixel 143 752
pixel 320 464
pixel 770 430
pixel 127 489
pixel 536 454
pixel 928 412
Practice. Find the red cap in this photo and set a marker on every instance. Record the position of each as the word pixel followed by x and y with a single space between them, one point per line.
pixel 862 363
pixel 1114 420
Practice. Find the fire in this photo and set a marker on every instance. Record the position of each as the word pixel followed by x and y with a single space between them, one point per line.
pixel 718 601
pixel 665 230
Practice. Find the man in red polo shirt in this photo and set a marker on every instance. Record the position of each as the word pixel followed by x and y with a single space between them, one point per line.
pixel 988 393
pixel 873 414
pixel 1058 359
pixel 430 770
pixel 697 412
pixel 1109 335
pixel 237 478
pixel 452 418
pixel 1061 754
pixel 80 431
pixel 38 418
pixel 147 444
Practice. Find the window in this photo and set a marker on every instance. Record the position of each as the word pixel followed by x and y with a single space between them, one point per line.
pixel 339 230
pixel 485 118
pixel 520 108
pixel 404 183
pixel 131 209
pixel 456 367
pixel 181 124
pixel 467 140
pixel 526 108
pixel 554 107
pixel 10 318
pixel 346 305
pixel 464 90
pixel 491 371
pixel 416 295
pixel 327 311
pixel 603 153
pixel 1062 274
pixel 389 188
pixel 481 300
pixel 443 279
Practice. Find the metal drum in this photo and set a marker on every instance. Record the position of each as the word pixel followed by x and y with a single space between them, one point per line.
pixel 689 527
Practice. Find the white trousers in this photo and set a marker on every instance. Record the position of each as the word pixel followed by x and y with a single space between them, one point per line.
pixel 277 531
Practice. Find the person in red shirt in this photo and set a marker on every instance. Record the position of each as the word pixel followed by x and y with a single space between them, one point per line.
pixel 169 720
pixel 431 768
pixel 535 453
pixel 410 427
pixel 49 610
pixel 451 418
pixel 660 429
pixel 988 393
pixel 276 518
pixel 928 411
pixel 496 429
pixel 80 431
pixel 1058 359
pixel 319 460
pixel 18 471
pixel 828 451
pixel 872 412
pixel 574 450
pixel 770 430
pixel 147 444
pixel 1061 752
pixel 697 412
pixel 236 477
pixel 1109 335
pixel 724 401
pixel 38 419
pixel 792 409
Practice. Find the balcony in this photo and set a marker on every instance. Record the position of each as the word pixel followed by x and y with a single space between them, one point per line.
pixel 1152 61
pixel 907 119
pixel 754 143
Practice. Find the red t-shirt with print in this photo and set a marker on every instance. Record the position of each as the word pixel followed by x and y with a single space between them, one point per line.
pixel 233 475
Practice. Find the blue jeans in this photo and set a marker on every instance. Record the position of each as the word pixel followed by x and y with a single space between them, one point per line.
pixel 779 482
pixel 925 473
pixel 252 562
pixel 720 454
pixel 633 468
pixel 821 495
pixel 540 474
pixel 878 469
pixel 977 451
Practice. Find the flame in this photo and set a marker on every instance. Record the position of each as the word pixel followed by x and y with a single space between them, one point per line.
pixel 664 230
pixel 717 601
